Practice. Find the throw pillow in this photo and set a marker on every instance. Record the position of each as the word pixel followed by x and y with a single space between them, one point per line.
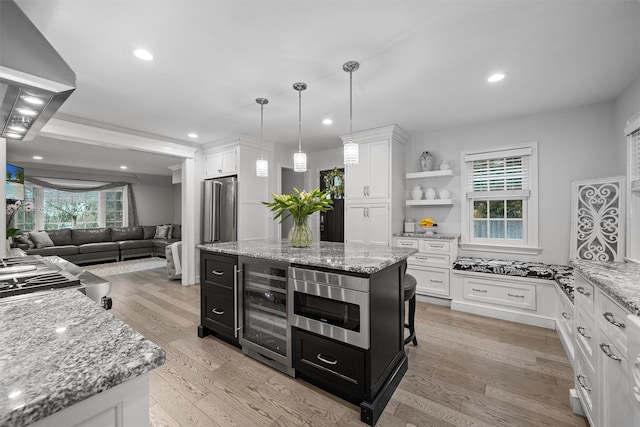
pixel 163 232
pixel 41 239
pixel 25 240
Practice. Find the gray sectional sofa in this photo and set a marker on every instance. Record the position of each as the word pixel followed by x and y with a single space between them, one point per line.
pixel 87 245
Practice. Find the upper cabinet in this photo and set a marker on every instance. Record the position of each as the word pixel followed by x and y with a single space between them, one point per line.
pixel 221 163
pixel 369 179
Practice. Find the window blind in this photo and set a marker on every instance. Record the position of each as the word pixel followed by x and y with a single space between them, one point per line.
pixel 499 177
pixel 634 160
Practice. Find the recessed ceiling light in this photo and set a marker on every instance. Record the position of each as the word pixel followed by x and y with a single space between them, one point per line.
pixel 495 77
pixel 123 167
pixel 34 100
pixel 143 54
pixel 193 135
pixel 27 111
pixel 37 157
pixel 327 121
pixel 13 135
pixel 17 128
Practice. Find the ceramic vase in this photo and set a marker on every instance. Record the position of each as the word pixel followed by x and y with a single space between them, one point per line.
pixel 444 194
pixel 300 235
pixel 416 193
pixel 426 161
pixel 430 193
pixel 445 165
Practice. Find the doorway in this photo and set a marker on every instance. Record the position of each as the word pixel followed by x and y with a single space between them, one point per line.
pixel 289 181
pixel 332 222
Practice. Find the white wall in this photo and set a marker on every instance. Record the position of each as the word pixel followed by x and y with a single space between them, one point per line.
pixel 577 143
pixel 627 105
pixel 177 204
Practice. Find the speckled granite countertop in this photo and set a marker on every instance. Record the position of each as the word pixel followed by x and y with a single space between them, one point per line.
pixel 425 235
pixel 621 281
pixel 59 348
pixel 366 259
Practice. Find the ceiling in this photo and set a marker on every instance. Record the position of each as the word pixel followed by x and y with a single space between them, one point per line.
pixel 423 64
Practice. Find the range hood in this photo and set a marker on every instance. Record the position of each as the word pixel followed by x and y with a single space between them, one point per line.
pixel 34 79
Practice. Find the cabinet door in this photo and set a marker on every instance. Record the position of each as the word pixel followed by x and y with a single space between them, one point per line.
pixel 377 219
pixel 431 281
pixel 356 176
pixel 378 169
pixel 229 162
pixel 217 309
pixel 221 163
pixel 355 224
pixel 616 408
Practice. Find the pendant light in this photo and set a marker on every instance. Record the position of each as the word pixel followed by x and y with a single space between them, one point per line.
pixel 300 158
pixel 262 165
pixel 351 148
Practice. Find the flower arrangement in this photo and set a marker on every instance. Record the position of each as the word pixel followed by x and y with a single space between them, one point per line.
pixel 12 210
pixel 299 206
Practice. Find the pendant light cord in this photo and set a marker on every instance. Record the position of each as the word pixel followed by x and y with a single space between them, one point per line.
pixel 351 104
pixel 299 121
pixel 261 126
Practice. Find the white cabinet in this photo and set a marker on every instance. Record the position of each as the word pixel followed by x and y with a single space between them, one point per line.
pixel 221 163
pixel 603 378
pixel 369 179
pixel 369 224
pixel 374 188
pixel 431 265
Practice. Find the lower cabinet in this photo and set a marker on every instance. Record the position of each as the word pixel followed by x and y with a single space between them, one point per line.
pixel 335 366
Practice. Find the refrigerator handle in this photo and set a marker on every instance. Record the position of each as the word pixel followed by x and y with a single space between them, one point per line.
pixel 217 185
pixel 235 209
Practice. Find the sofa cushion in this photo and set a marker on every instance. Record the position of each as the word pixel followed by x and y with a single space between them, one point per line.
pixel 176 232
pixel 148 231
pixel 54 250
pixel 133 244
pixel 41 239
pixel 163 232
pixel 25 240
pixel 98 247
pixel 80 236
pixel 126 233
pixel 60 237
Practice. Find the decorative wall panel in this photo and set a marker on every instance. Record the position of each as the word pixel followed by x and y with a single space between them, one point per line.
pixel 597 220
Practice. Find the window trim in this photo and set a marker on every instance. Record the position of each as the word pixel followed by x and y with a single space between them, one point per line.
pixel 466 203
pixel 632 251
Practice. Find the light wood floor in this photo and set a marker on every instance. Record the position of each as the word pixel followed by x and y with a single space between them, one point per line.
pixel 466 371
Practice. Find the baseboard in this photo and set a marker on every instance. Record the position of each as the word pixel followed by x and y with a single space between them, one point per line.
pixel 433 300
pixel 502 314
pixel 566 345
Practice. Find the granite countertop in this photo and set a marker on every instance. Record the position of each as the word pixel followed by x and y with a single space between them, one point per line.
pixel 59 348
pixel 366 259
pixel 620 281
pixel 427 235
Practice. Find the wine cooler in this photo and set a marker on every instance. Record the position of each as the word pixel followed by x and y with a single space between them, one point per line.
pixel 265 332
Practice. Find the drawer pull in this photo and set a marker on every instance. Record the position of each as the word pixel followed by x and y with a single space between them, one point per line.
pixel 217 272
pixel 409 245
pixel 436 246
pixel 609 316
pixel 327 361
pixel 478 290
pixel 606 350
pixel 566 315
pixel 582 332
pixel 582 291
pixel 580 379
pixel 515 296
pixel 435 281
pixel 217 311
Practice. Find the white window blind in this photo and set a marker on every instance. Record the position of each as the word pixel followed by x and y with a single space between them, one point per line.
pixel 634 160
pixel 503 177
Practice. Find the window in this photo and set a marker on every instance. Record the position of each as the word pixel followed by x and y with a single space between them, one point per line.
pixel 499 212
pixel 54 209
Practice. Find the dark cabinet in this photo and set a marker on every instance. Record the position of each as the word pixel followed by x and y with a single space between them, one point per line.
pixel 218 296
pixel 334 366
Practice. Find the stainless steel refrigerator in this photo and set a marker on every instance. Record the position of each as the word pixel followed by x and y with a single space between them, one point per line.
pixel 220 210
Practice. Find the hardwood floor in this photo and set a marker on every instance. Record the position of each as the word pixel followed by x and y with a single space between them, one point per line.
pixel 466 371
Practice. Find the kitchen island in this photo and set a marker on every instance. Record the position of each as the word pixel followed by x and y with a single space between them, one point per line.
pixel 66 361
pixel 331 314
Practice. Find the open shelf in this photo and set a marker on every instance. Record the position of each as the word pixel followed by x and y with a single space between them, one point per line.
pixel 430 174
pixel 435 202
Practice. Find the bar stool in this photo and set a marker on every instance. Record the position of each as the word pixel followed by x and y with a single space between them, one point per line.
pixel 410 295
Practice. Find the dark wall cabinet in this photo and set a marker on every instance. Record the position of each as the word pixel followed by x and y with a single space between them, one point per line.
pixel 218 296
